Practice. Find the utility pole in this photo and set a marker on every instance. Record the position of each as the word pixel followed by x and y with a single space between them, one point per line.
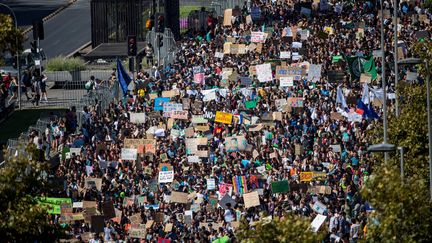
pixel 383 79
pixel 395 55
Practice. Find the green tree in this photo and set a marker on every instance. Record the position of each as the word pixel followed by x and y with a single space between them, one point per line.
pixel 402 209
pixel 23 220
pixel 290 229
pixel 9 35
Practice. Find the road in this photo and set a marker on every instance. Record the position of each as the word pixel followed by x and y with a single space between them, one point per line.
pixel 67 31
pixel 26 11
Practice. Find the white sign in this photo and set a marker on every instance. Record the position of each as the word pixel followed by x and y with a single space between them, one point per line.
pixel 317 222
pixel 137 117
pixel 168 107
pixel 296 45
pixel 219 55
pixel 193 159
pixel 285 55
pixel 314 73
pixel 264 72
pixel 257 37
pixel 166 176
pixel 128 154
pixel 319 207
pixel 211 184
pixel 287 81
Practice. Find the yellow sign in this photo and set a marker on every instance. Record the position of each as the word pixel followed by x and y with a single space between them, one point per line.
pixel 223 117
pixel 306 176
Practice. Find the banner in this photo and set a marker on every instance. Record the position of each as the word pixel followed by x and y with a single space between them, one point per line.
pixel 223 117
pixel 287 81
pixel 54 203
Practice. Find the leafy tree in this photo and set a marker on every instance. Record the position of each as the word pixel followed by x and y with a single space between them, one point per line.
pixel 23 220
pixel 402 209
pixel 9 35
pixel 290 228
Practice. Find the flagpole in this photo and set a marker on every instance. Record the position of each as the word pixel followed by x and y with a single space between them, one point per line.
pixel 383 79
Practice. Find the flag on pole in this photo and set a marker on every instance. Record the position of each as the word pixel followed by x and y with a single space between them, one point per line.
pixel 369 66
pixel 365 94
pixel 340 98
pixel 123 78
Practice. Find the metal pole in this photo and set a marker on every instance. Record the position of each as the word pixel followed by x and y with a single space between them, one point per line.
pixel 17 56
pixel 401 150
pixel 396 70
pixel 383 78
pixel 40 60
pixel 429 125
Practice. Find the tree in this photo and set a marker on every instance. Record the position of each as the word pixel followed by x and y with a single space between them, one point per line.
pixel 23 219
pixel 9 35
pixel 402 208
pixel 289 229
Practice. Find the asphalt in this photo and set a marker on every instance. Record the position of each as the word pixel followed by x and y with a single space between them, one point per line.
pixel 67 31
pixel 28 10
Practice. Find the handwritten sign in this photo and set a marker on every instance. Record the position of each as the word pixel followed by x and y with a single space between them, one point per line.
pixel 295 102
pixel 306 176
pixel 223 117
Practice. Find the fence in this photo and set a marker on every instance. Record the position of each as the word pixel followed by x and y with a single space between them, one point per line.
pixel 103 95
pixel 169 46
pixel 77 75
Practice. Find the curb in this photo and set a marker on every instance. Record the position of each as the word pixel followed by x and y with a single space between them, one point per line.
pixel 46 18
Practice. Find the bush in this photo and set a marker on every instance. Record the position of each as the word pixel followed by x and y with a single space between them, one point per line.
pixel 65 64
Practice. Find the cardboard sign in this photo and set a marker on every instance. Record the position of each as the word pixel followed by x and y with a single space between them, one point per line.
pixel 139 233
pixel 319 207
pixel 227 17
pixel 320 190
pixel 280 186
pixel 170 93
pixel 365 78
pixel 108 210
pixel 181 115
pixel 306 176
pixel 223 117
pixel 179 197
pixel 186 103
pixel 295 102
pixel 137 118
pixel 285 55
pixel 97 223
pixel 166 176
pixel 251 199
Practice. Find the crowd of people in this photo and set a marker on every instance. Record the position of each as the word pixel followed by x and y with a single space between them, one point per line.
pixel 211 140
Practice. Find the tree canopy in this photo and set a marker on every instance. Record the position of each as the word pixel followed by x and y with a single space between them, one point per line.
pixel 23 219
pixel 11 39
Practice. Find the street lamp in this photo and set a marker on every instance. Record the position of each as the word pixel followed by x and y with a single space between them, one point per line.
pixel 17 55
pixel 415 61
pixel 385 148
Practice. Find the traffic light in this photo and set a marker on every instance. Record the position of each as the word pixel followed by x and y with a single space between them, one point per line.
pixel 34 48
pixel 150 22
pixel 160 40
pixel 160 23
pixel 131 45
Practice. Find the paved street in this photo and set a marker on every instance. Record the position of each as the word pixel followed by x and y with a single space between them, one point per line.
pixel 67 31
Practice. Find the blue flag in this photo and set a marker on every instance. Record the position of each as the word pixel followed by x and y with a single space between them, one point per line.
pixel 123 78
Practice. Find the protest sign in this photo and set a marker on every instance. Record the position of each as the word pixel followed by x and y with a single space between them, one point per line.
pixel 280 186
pixel 319 207
pixel 193 159
pixel 225 188
pixel 226 199
pixel 108 210
pixel 170 93
pixel 246 81
pixel 181 115
pixel 236 143
pixel 314 74
pixel 129 154
pixel 285 55
pixel 219 55
pixel 227 17
pixel 251 199
pixel 137 118
pixel 295 102
pixel 264 72
pixel 227 48
pixel 97 223
pixel 168 107
pixel 186 103
pixel 223 117
pixel 158 103
pixel 257 37
pixel 199 78
pixel 93 183
pixel 317 222
pixel 306 176
pixel 179 197
pixel 320 190
pixel 287 81
pixel 365 78
pixel 166 173
pixel 139 233
pixel 211 184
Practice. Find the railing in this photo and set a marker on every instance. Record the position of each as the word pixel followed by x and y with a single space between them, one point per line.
pixel 77 75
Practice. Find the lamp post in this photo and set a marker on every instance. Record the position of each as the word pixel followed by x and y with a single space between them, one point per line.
pixel 415 61
pixel 395 54
pixel 383 79
pixel 401 151
pixel 17 55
